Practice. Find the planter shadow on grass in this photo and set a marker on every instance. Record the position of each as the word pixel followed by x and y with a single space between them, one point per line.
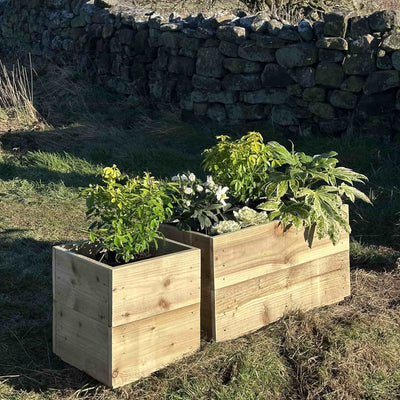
pixel 26 359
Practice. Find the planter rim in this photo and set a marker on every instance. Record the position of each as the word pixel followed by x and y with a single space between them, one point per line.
pixel 345 207
pixel 184 248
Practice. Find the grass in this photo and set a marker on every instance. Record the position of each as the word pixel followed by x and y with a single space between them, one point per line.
pixel 347 351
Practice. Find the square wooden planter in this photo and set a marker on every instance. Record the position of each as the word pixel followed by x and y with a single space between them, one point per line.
pixel 119 324
pixel 250 278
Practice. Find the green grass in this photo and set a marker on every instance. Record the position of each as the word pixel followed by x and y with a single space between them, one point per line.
pixel 347 351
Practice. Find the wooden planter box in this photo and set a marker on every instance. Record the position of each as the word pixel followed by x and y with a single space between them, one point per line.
pixel 119 324
pixel 250 278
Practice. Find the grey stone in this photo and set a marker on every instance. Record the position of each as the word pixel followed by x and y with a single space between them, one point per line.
pixel 396 60
pixel 171 40
pixel 359 64
pixel 319 27
pixel 330 75
pixel 289 34
pixel 251 50
pixel 224 97
pixel 392 42
pixel 228 49
pixel 246 21
pixel 334 56
pixel 381 81
pixel 314 95
pixel 382 21
pixel 141 39
pixel 239 66
pixel 306 76
pixel 78 22
pixel 275 76
pixel 322 110
pixel 171 27
pixel 376 105
pixel 364 44
pixel 333 126
pixel 200 109
pixel 199 96
pixel 241 82
pixel 233 34
pixel 299 55
pixel 240 111
pixel 155 21
pixel 259 22
pixel 181 65
pixel 336 23
pixel 359 26
pixel 273 26
pixel 206 83
pixel 353 84
pixel 335 43
pixel 191 43
pixel 383 61
pixel 126 36
pixel 108 30
pixel 266 96
pixel 209 62
pixel 216 112
pixel 341 99
pixel 305 30
pixel 267 41
pixel 283 116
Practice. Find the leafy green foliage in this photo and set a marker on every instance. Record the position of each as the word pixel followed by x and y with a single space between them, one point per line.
pixel 242 165
pixel 127 213
pixel 309 191
pixel 196 203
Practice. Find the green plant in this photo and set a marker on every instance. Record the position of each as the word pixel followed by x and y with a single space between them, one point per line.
pixel 196 203
pixel 127 213
pixel 243 165
pixel 308 192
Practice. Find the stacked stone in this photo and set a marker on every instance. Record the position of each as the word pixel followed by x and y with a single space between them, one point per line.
pixel 330 76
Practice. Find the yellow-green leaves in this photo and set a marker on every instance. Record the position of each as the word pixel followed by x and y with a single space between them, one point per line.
pixel 242 165
pixel 126 213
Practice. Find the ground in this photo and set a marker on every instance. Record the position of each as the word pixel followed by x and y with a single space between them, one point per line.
pixel 346 351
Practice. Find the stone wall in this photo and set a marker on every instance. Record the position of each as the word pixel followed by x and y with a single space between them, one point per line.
pixel 332 77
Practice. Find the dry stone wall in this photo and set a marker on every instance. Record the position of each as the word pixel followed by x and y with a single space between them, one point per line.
pixel 336 76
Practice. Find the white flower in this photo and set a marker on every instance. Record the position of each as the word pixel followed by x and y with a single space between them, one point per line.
pixel 225 227
pixel 221 194
pixel 183 178
pixel 174 178
pixel 210 182
pixel 199 188
pixel 187 203
pixel 192 177
pixel 187 190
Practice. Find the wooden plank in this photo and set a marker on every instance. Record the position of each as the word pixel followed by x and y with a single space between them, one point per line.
pixel 254 251
pixel 205 244
pixel 154 286
pixel 82 284
pixel 82 342
pixel 247 306
pixel 142 347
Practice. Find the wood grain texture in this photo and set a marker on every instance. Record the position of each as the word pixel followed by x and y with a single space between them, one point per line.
pixel 82 284
pixel 205 244
pixel 137 317
pixel 143 346
pixel 252 304
pixel 82 342
pixel 155 286
pixel 253 276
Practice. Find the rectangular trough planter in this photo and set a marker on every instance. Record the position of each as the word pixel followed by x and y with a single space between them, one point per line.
pixel 251 277
pixel 119 324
